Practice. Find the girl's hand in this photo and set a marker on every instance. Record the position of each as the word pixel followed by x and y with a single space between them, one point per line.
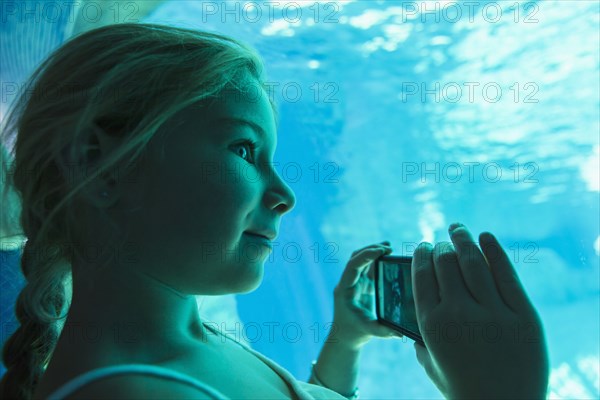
pixel 354 317
pixel 484 338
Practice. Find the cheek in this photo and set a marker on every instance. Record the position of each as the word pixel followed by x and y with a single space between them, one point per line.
pixel 213 199
pixel 205 191
pixel 235 185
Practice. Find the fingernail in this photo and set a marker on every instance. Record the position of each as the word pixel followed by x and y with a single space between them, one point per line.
pixel 454 226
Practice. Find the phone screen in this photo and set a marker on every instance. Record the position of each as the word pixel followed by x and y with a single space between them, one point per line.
pixel 395 303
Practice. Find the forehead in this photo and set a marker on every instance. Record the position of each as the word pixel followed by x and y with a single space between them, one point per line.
pixel 246 101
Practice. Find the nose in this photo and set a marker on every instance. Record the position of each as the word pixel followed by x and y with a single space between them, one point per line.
pixel 280 195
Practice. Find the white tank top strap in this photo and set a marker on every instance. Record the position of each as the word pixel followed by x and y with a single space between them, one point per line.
pixel 145 369
pixel 300 390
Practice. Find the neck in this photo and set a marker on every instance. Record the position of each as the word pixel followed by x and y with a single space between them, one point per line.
pixel 131 310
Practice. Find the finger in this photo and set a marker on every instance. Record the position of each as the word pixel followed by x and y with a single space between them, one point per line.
pixel 505 276
pixel 357 264
pixel 424 281
pixel 370 281
pixel 385 243
pixel 371 270
pixel 474 267
pixel 450 280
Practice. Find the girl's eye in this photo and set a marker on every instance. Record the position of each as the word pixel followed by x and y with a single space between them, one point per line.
pixel 247 144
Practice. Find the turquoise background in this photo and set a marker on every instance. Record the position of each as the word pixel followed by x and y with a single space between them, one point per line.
pixel 376 120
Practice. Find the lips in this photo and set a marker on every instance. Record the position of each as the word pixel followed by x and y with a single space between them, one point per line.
pixel 267 235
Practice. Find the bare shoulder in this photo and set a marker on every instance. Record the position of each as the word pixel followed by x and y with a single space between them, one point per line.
pixel 138 386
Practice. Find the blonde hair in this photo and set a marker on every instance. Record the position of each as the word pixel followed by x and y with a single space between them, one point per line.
pixel 128 79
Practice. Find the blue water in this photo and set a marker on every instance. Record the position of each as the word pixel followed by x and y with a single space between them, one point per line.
pixel 386 141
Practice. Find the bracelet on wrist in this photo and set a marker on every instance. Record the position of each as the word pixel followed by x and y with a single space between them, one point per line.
pixel 313 374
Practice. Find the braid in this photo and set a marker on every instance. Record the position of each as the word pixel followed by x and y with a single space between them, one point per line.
pixel 27 352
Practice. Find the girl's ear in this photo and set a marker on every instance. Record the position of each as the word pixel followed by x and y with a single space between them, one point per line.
pixel 83 159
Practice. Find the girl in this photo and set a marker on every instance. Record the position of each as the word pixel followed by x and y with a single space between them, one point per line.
pixel 130 161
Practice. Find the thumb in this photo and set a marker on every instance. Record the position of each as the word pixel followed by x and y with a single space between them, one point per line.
pixel 426 362
pixel 423 356
pixel 383 331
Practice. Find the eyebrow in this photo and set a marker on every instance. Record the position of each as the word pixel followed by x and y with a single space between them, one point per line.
pixel 240 121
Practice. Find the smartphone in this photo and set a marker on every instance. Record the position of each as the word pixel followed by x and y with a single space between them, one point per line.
pixel 394 301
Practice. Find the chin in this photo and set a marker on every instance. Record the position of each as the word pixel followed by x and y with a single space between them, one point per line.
pixel 245 278
pixel 248 289
pixel 251 285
